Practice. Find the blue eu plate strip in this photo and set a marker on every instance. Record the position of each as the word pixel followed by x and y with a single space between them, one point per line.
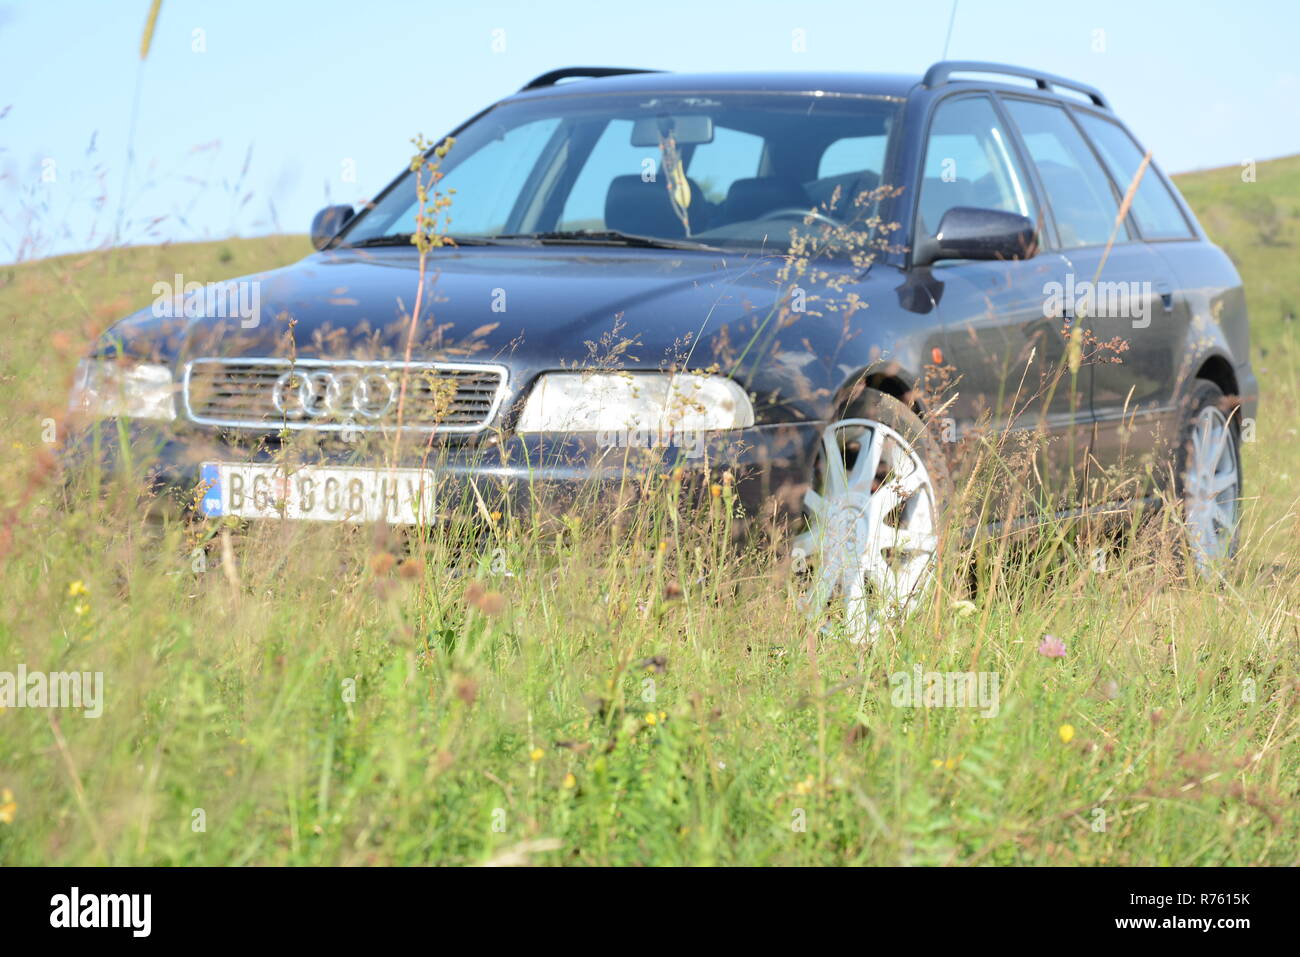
pixel 211 477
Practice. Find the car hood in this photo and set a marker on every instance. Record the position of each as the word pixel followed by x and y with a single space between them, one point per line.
pixel 531 309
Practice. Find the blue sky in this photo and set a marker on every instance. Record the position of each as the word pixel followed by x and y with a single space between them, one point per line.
pixel 252 115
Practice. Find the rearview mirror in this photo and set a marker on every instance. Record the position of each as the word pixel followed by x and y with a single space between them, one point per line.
pixel 967 232
pixel 328 223
pixel 686 130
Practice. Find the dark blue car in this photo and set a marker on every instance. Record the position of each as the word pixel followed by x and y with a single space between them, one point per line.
pixel 827 288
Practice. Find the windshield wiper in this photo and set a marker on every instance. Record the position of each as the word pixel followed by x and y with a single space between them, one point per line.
pixel 609 237
pixel 404 239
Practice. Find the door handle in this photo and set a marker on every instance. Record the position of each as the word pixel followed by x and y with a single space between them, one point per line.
pixel 1166 296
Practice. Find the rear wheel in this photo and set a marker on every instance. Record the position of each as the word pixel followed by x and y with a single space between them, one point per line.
pixel 1209 477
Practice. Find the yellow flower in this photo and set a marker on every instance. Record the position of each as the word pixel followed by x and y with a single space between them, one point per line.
pixel 650 718
pixel 663 546
pixel 663 715
pixel 570 781
pixel 77 588
pixel 715 490
pixel 1066 731
pixel 805 786
pixel 81 608
pixel 7 806
pixel 536 754
pixel 495 516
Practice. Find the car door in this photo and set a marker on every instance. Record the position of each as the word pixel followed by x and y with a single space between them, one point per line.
pixel 1001 346
pixel 1158 347
pixel 1122 293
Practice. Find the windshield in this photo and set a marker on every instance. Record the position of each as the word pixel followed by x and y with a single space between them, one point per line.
pixel 723 170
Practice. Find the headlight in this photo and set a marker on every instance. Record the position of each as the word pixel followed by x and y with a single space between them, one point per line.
pixel 656 401
pixel 105 388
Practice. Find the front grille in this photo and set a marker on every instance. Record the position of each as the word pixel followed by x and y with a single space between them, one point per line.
pixel 337 395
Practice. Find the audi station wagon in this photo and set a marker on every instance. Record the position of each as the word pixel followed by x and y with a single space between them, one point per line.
pixel 814 288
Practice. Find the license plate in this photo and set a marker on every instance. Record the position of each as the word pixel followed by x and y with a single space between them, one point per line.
pixel 397 496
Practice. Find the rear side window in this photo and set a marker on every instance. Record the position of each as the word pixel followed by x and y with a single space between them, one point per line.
pixel 1154 208
pixel 1078 189
pixel 968 162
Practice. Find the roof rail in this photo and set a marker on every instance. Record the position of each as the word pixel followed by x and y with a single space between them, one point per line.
pixel 555 76
pixel 942 72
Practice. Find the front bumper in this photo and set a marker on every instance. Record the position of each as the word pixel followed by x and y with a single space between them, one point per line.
pixel 767 467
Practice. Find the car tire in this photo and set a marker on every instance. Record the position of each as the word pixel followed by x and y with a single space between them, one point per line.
pixel 1207 475
pixel 873 539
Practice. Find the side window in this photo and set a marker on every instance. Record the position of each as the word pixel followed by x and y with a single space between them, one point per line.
pixel 1078 189
pixel 731 156
pixel 1156 211
pixel 969 162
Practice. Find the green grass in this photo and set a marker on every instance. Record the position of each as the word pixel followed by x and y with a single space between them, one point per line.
pixel 639 694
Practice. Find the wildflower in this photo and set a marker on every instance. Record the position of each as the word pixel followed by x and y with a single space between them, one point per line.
pixel 488 602
pixel 963 608
pixel 805 786
pixel 466 689
pixel 650 718
pixel 8 807
pixel 81 609
pixel 76 588
pixel 495 516
pixel 536 755
pixel 1051 647
pixel 381 563
pixel 411 568
pixel 570 781
pixel 655 663
pixel 715 490
pixel 1066 731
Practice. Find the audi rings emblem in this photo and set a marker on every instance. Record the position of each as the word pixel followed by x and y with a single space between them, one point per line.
pixel 318 394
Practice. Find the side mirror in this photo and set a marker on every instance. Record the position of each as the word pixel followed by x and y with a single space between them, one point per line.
pixel 967 232
pixel 327 224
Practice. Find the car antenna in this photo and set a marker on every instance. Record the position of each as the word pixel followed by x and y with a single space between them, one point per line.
pixel 952 18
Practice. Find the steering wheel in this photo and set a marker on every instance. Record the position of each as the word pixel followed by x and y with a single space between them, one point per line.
pixel 790 212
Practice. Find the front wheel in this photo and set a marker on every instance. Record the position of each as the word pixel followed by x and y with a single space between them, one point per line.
pixel 874 518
